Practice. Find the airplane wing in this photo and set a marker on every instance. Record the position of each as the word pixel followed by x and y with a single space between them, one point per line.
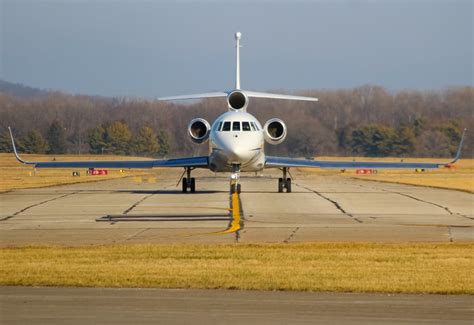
pixel 121 164
pixel 279 162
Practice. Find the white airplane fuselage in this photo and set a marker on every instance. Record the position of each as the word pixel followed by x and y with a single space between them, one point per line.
pixel 236 139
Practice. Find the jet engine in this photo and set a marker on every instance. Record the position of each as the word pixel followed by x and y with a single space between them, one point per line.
pixel 237 101
pixel 274 131
pixel 199 130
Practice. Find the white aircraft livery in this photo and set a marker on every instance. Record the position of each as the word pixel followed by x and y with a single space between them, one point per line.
pixel 236 143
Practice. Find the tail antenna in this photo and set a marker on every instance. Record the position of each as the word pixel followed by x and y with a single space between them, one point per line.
pixel 238 36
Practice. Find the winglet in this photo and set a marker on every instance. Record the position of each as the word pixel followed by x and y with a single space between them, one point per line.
pixel 458 153
pixel 16 152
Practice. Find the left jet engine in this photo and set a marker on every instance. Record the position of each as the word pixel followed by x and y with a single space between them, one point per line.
pixel 199 130
pixel 274 131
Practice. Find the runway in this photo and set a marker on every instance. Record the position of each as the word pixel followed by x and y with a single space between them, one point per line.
pixel 27 305
pixel 320 208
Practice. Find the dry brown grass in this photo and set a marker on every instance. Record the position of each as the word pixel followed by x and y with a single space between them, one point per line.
pixel 14 175
pixel 405 268
pixel 460 178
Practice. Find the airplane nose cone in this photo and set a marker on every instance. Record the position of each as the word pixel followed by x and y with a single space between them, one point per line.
pixel 238 156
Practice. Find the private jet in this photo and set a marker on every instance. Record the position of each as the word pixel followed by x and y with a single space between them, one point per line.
pixel 236 143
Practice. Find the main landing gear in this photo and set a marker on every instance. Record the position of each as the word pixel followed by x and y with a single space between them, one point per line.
pixel 188 182
pixel 284 182
pixel 234 180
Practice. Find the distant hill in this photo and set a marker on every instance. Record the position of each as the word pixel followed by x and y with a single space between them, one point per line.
pixel 21 91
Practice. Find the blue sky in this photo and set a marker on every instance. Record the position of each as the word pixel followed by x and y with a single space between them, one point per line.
pixel 159 48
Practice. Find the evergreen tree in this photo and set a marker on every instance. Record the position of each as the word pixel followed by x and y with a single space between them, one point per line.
pixel 118 138
pixel 419 126
pixel 5 142
pixel 453 133
pixel 34 142
pixel 372 140
pixel 404 141
pixel 56 137
pixel 146 143
pixel 164 143
pixel 96 140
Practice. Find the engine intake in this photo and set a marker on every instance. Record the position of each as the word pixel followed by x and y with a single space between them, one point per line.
pixel 237 101
pixel 199 130
pixel 274 131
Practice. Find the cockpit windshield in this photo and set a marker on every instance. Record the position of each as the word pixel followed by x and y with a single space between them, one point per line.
pixel 226 126
pixel 237 126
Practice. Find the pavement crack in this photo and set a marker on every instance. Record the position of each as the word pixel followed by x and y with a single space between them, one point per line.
pixel 421 200
pixel 134 205
pixel 35 205
pixel 335 203
pixel 447 209
pixel 141 231
pixel 291 235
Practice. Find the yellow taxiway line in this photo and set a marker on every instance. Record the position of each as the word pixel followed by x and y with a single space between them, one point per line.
pixel 235 210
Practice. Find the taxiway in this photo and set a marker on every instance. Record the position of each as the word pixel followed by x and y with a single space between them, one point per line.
pixel 320 208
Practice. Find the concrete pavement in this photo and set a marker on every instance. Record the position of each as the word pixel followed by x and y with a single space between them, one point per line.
pixel 320 208
pixel 29 305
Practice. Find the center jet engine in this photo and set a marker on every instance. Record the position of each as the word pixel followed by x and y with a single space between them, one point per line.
pixel 237 101
pixel 274 131
pixel 199 130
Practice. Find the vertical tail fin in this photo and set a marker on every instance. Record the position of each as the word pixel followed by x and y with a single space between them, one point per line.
pixel 238 36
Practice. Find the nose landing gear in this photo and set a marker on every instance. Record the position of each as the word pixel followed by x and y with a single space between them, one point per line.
pixel 284 182
pixel 234 180
pixel 188 182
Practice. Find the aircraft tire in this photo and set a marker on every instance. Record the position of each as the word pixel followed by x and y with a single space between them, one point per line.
pixel 288 185
pixel 184 184
pixel 280 185
pixel 238 188
pixel 193 185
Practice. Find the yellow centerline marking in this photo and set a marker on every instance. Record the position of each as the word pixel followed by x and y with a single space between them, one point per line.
pixel 235 223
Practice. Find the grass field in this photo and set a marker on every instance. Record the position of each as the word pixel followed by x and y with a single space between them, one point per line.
pixel 15 175
pixel 459 178
pixel 389 268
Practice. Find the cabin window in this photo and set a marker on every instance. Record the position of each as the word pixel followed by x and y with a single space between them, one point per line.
pixel 254 128
pixel 235 126
pixel 245 126
pixel 226 126
pixel 220 126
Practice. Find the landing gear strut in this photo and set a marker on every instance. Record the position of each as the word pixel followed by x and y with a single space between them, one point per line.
pixel 235 180
pixel 188 181
pixel 284 182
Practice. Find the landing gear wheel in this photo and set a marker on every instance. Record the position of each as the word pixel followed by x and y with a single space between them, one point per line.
pixel 280 185
pixel 238 188
pixel 193 185
pixel 288 185
pixel 184 184
pixel 232 189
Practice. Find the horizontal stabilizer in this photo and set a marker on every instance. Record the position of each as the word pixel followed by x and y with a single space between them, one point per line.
pixel 248 93
pixel 194 96
pixel 256 94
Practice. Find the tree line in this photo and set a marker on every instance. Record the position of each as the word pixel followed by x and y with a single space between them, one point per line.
pixel 109 138
pixel 368 120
